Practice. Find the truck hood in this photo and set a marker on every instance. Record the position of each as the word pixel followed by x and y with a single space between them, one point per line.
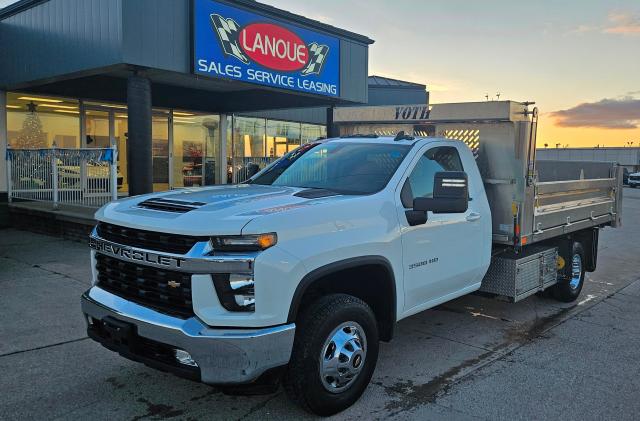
pixel 218 210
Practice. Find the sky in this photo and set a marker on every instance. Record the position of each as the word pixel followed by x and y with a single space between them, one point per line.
pixel 579 60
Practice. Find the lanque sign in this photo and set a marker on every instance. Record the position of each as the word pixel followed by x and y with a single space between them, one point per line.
pixel 236 44
pixel 274 47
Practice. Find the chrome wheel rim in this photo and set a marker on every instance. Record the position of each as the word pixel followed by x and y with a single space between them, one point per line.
pixel 343 356
pixel 576 271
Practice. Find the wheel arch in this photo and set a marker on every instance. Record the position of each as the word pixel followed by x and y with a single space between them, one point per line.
pixel 588 238
pixel 332 278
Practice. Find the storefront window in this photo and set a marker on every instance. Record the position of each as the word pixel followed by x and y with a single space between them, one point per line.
pixel 248 137
pixel 258 142
pixel 195 148
pixel 311 132
pixel 38 121
pixel 35 121
pixel 248 152
pixel 282 137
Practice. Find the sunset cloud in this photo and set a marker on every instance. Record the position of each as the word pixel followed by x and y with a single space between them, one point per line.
pixel 620 113
pixel 623 23
pixel 584 29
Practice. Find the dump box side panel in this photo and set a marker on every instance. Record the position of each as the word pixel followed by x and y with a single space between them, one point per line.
pixel 575 196
pixel 502 153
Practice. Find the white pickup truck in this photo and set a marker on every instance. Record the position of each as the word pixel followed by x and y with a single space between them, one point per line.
pixel 299 272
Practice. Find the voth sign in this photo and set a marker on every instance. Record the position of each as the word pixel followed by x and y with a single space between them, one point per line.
pixel 238 44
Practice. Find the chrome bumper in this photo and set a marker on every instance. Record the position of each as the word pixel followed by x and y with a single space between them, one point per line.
pixel 223 356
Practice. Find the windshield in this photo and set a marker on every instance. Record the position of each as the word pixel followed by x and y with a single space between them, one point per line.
pixel 346 168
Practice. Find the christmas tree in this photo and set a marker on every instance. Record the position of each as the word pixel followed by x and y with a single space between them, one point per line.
pixel 31 136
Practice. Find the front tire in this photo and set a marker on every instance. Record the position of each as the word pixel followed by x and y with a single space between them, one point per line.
pixel 334 354
pixel 571 279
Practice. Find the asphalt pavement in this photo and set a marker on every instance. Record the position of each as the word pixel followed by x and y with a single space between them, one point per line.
pixel 471 358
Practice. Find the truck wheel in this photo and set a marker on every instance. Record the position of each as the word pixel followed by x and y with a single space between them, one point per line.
pixel 571 280
pixel 334 354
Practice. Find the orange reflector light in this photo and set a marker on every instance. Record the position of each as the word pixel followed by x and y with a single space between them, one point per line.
pixel 524 240
pixel 266 240
pixel 561 263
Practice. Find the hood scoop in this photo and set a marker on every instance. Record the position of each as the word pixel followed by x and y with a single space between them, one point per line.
pixel 168 205
pixel 315 193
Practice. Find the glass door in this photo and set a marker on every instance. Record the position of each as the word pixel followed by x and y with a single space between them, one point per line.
pixel 101 126
pixel 195 148
pixel 97 132
pixel 120 131
pixel 103 122
pixel 160 151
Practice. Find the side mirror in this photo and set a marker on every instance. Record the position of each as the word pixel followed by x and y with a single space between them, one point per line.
pixel 450 194
pixel 415 217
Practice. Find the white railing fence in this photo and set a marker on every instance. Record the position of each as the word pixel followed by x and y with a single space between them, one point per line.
pixel 81 177
pixel 243 168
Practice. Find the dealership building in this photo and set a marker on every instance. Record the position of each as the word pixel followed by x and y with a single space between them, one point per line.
pixel 189 91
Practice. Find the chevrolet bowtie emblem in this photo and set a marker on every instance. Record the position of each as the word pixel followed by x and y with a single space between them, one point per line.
pixel 173 284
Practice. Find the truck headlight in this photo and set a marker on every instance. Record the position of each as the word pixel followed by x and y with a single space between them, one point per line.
pixel 236 291
pixel 253 242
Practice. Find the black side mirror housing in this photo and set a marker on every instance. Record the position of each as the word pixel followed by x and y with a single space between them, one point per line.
pixel 450 194
pixel 415 217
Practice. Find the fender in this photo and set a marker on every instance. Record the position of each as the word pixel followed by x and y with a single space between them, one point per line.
pixel 309 279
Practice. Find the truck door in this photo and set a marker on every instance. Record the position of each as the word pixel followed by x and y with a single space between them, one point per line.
pixel 441 257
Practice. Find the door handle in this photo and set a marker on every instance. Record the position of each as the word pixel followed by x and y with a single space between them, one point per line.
pixel 473 216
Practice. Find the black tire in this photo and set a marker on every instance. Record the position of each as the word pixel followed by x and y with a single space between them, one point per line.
pixel 569 286
pixel 303 381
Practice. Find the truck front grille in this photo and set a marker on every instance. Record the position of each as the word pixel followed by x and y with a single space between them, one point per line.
pixel 634 177
pixel 165 291
pixel 156 241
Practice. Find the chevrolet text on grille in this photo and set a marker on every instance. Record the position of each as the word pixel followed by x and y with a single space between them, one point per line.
pixel 133 254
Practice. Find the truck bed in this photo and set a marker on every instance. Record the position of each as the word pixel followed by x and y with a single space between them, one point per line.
pixel 565 200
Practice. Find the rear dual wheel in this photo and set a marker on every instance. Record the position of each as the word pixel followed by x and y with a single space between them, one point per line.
pixel 571 279
pixel 334 355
